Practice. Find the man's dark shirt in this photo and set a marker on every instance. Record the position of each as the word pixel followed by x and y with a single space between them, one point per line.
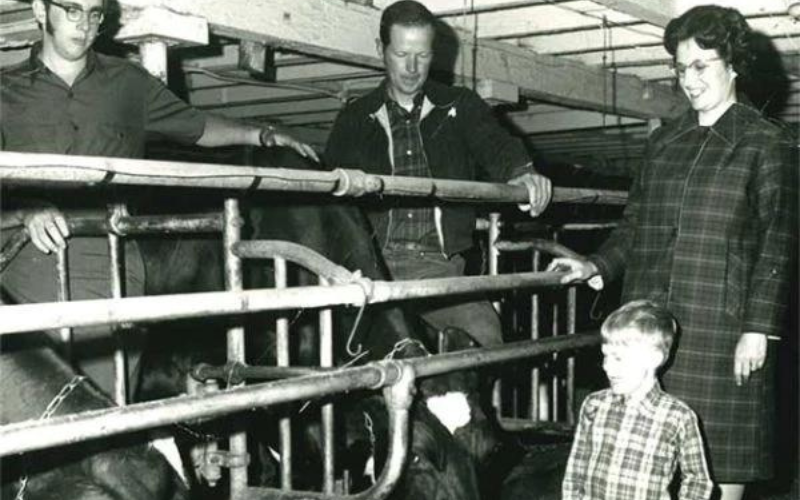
pixel 109 110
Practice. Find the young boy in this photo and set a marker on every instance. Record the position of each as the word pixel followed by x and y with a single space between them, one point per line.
pixel 632 437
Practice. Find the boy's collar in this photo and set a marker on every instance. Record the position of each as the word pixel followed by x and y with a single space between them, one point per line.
pixel 645 395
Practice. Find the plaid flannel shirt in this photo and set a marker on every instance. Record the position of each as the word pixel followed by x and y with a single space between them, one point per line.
pixel 409 220
pixel 630 450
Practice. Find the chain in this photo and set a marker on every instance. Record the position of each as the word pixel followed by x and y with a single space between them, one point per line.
pixel 401 345
pixel 47 413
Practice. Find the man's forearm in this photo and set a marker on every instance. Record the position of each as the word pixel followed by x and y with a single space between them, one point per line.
pixel 220 131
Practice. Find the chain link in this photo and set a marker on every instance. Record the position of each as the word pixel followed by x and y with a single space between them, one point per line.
pixel 47 413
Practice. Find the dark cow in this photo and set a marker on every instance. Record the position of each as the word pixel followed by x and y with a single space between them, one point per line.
pixel 123 467
pixel 441 467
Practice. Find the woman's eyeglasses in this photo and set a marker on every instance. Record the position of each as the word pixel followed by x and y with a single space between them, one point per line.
pixel 76 14
pixel 699 67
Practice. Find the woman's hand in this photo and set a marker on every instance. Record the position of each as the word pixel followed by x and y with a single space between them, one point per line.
pixel 751 353
pixel 576 269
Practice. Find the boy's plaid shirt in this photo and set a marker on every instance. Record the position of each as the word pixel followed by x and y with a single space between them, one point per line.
pixel 630 450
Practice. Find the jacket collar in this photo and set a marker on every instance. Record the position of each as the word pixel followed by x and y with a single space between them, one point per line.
pixel 728 127
pixel 437 95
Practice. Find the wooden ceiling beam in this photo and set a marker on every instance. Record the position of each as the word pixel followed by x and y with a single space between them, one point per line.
pixel 657 12
pixel 315 27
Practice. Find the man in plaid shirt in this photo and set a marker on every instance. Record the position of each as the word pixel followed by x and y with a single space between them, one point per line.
pixel 632 437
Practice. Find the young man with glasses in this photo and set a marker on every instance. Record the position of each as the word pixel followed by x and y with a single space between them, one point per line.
pixel 68 99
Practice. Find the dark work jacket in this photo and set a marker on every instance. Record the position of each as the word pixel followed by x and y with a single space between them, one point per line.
pixel 462 140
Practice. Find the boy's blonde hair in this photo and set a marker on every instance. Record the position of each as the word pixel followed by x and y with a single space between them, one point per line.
pixel 641 321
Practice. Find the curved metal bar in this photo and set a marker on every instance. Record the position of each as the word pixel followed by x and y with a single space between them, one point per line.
pixel 398 397
pixel 304 256
pixel 542 245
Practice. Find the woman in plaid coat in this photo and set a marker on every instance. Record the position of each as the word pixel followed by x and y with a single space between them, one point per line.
pixel 709 231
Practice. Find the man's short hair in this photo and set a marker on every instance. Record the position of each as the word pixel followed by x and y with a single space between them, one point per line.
pixel 406 13
pixel 640 321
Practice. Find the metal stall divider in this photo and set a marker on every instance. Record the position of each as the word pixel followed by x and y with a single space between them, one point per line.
pixel 55 168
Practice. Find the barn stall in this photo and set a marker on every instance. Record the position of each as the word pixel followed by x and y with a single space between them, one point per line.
pixel 583 82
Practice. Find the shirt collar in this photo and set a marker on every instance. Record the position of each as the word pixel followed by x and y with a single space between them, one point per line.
pixel 390 102
pixel 36 65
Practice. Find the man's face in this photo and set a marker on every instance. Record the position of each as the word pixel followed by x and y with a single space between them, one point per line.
pixel 408 60
pixel 63 38
pixel 630 367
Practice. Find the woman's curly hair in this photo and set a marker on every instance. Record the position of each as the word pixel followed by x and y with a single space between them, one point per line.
pixel 713 27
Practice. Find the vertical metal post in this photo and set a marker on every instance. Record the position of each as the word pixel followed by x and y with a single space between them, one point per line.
pixel 534 406
pixel 62 267
pixel 115 273
pixel 231 235
pixel 554 380
pixel 572 299
pixel 326 361
pixel 494 269
pixel 283 359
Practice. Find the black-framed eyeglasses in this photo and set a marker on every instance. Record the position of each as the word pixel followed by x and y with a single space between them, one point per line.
pixel 699 67
pixel 76 13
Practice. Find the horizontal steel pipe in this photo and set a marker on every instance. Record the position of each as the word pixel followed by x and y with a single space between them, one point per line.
pixel 39 434
pixel 48 169
pixel 547 246
pixel 514 351
pixel 398 401
pixel 36 317
pixel 236 373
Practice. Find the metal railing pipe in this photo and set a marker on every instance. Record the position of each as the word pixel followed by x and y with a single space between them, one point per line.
pixel 477 357
pixel 42 316
pixel 38 434
pixel 34 168
pixel 33 435
pixel 326 361
pixel 283 360
pixel 399 397
pixel 233 222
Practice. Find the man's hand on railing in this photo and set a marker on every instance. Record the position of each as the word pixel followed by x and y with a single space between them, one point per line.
pixel 47 228
pixel 540 190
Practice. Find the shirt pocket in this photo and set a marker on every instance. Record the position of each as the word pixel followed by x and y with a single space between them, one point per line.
pixel 117 139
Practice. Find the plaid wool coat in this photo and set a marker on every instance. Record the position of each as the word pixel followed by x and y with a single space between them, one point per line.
pixel 710 232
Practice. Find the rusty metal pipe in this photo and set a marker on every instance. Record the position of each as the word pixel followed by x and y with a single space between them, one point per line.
pixel 231 235
pixel 39 434
pixel 35 317
pixel 282 357
pixel 477 357
pixel 328 433
pixel 237 373
pixel 34 168
pixel 116 258
pixel 542 245
pixel 399 397
pixel 296 253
